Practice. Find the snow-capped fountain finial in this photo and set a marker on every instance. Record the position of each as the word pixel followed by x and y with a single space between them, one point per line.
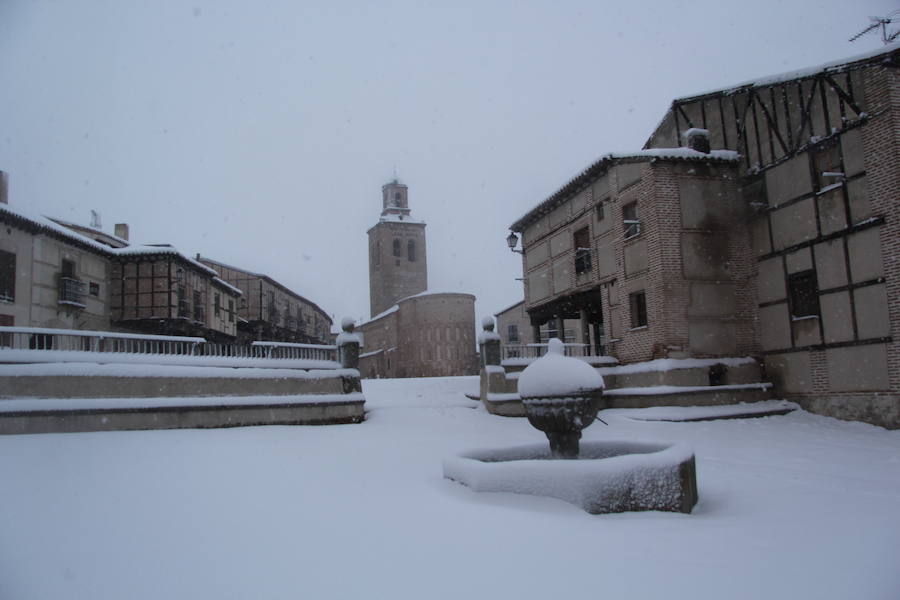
pixel 561 396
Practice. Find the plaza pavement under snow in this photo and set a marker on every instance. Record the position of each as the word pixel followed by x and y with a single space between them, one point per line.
pixel 796 506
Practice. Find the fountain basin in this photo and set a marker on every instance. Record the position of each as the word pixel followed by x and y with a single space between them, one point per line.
pixel 607 477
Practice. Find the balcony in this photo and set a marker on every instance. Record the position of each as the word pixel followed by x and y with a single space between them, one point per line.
pixel 71 292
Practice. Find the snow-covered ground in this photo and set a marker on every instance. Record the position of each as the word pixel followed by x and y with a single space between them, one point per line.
pixel 796 506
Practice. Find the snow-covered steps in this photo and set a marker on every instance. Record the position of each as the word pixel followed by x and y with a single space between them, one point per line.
pixel 64 397
pixel 661 382
pixel 56 415
pixel 687 414
pixel 674 395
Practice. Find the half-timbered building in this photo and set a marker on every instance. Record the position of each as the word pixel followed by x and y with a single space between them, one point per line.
pixel 759 219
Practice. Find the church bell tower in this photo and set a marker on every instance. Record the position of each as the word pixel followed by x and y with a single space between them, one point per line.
pixel 397 259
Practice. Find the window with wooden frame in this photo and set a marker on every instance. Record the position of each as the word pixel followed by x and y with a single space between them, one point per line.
pixel 7 276
pixel 582 243
pixel 512 334
pixel 630 221
pixel 803 294
pixel 637 303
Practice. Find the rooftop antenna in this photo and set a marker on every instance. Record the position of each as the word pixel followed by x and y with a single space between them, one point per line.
pixel 95 220
pixel 883 22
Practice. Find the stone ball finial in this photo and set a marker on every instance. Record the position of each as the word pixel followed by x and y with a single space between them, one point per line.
pixel 487 323
pixel 348 324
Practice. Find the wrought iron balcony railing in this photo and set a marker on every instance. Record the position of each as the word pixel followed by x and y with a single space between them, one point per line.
pixel 71 292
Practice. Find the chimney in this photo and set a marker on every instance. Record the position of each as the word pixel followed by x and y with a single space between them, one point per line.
pixel 121 231
pixel 4 187
pixel 697 139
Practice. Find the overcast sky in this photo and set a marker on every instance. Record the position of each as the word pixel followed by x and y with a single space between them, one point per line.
pixel 260 133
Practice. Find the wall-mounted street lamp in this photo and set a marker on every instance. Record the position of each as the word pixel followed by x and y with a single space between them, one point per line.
pixel 512 240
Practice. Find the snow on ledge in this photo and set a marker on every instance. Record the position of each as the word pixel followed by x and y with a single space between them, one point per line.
pixel 671 364
pixel 145 370
pixel 693 413
pixel 55 404
pixel 664 390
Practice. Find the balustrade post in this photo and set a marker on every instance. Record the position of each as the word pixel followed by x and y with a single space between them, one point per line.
pixel 490 343
pixel 348 344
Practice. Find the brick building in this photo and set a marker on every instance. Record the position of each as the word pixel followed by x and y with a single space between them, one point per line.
pixel 270 311
pixel 412 332
pixel 782 243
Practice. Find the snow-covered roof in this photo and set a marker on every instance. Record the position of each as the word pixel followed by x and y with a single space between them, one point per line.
pixel 602 164
pixel 395 218
pixel 832 67
pixel 268 279
pixel 113 240
pixel 42 224
pixel 510 307
pixel 396 307
pixel 224 284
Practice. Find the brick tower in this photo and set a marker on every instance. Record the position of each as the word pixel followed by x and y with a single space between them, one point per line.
pixel 397 259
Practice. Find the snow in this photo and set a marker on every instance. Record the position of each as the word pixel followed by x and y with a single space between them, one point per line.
pixel 44 404
pixel 140 368
pixel 555 374
pixel 345 337
pixel 679 153
pixel 829 67
pixel 654 390
pixel 104 334
pixel 176 360
pixel 671 364
pixel 395 218
pixel 384 313
pixel 488 336
pixel 828 188
pixel 795 506
pixel 607 476
pixel 694 413
pixel 222 283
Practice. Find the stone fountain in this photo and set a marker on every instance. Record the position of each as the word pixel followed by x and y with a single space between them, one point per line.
pixel 562 396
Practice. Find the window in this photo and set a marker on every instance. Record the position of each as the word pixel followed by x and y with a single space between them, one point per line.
pixel 94 289
pixel 397 197
pixel 600 209
pixel 396 247
pixel 71 291
pixel 7 276
pixel 803 294
pixel 638 305
pixel 411 250
pixel 182 302
pixel 198 307
pixel 512 334
pixel 377 252
pixel 217 304
pixel 630 220
pixel 582 240
pixel 230 310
